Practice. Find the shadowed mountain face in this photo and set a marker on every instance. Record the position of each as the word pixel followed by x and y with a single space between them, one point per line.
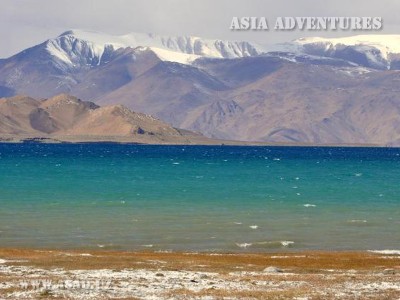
pixel 327 92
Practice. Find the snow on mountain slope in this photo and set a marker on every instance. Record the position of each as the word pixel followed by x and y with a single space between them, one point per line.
pixel 376 51
pixel 72 45
pixel 77 52
pixel 385 43
pixel 183 44
pixel 172 56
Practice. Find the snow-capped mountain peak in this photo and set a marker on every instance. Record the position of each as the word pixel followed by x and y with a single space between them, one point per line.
pixel 69 46
pixel 376 51
pixel 385 43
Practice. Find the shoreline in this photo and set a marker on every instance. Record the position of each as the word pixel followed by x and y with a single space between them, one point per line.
pixel 199 141
pixel 187 275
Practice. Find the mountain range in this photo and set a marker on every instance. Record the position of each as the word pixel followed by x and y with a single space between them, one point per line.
pixel 311 90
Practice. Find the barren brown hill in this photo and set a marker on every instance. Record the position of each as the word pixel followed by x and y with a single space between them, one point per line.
pixel 66 118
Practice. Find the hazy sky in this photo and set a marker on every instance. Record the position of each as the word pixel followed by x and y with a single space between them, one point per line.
pixel 24 23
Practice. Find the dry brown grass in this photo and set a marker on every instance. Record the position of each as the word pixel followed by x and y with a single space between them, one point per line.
pixel 313 261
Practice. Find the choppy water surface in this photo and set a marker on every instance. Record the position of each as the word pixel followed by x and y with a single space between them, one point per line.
pixel 199 198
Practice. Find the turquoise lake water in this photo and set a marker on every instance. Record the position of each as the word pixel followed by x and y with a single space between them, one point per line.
pixel 199 198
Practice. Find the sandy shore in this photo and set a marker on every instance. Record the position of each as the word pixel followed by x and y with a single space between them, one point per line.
pixel 46 274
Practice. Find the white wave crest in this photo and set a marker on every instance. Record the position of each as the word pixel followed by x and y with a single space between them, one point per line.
pixel 244 245
pixel 387 252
